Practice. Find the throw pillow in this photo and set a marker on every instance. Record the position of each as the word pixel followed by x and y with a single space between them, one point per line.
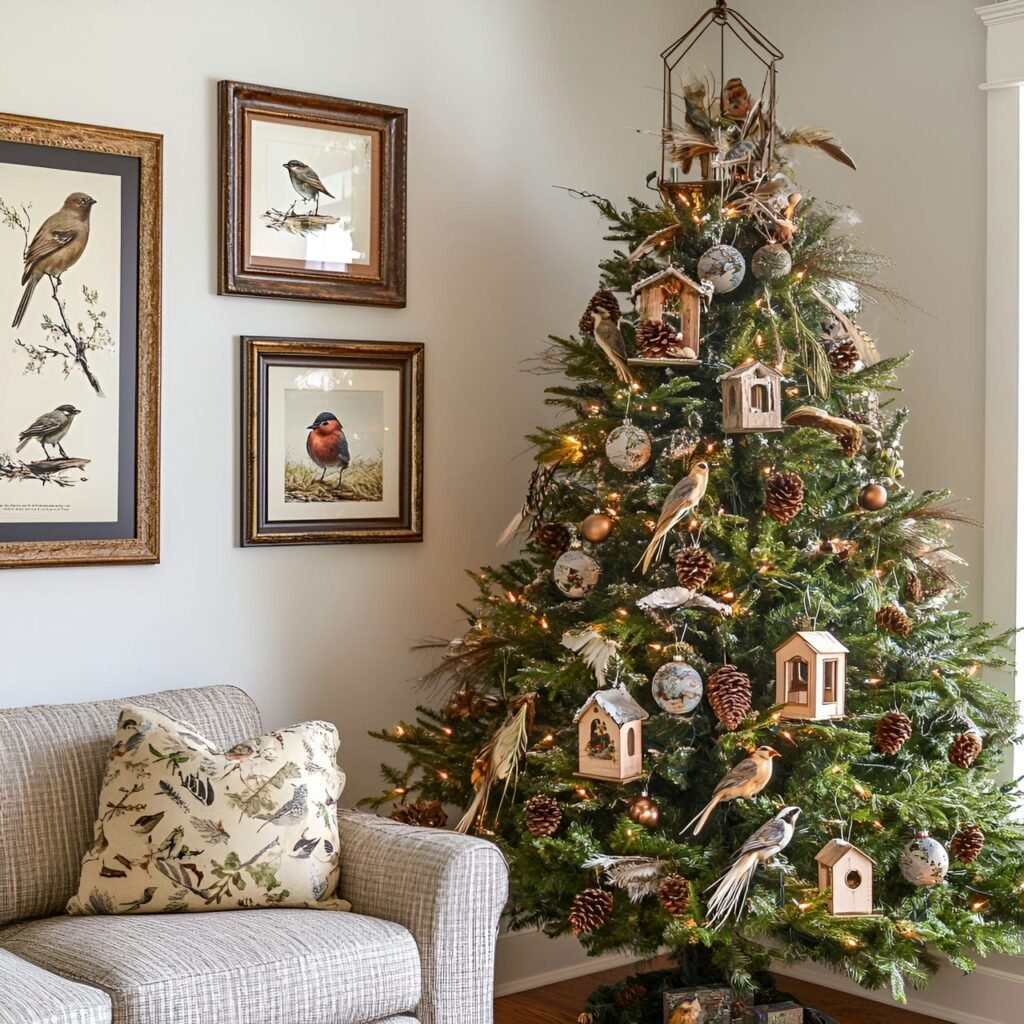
pixel 183 827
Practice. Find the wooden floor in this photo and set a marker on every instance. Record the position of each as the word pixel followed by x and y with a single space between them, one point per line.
pixel 562 1003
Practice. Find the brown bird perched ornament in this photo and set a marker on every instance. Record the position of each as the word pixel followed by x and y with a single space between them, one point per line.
pixel 610 341
pixel 735 99
pixel 681 501
pixel 745 780
pixel 57 246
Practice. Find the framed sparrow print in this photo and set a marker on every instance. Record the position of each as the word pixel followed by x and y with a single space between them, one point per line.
pixel 312 196
pixel 80 346
pixel 332 441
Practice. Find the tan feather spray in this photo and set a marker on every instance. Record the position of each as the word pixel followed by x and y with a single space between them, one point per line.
pixel 818 138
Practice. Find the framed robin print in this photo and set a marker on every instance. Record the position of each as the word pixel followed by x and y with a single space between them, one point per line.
pixel 80 353
pixel 332 441
pixel 312 196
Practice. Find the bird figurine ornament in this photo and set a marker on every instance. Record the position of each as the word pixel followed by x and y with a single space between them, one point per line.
pixel 610 341
pixel 681 501
pixel 741 782
pixel 735 99
pixel 730 891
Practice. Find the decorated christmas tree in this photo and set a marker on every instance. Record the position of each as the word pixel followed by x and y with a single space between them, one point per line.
pixel 722 701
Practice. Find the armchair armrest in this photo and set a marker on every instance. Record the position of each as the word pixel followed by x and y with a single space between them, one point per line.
pixel 447 889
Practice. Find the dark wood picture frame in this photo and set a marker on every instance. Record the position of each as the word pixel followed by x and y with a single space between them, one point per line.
pixel 137 158
pixel 384 282
pixel 259 355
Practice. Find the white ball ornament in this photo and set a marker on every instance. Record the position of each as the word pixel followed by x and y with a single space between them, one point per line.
pixel 924 861
pixel 628 448
pixel 723 266
pixel 677 687
pixel 771 262
pixel 575 573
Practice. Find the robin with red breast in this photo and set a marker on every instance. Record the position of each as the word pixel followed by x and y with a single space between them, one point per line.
pixel 327 445
pixel 56 246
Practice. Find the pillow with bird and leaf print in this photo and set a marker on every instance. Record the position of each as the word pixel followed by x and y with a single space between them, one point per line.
pixel 182 826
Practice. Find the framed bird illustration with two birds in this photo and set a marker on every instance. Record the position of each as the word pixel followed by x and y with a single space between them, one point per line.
pixel 313 202
pixel 80 221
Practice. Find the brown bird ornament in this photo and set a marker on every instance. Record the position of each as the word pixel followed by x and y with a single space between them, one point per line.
pixel 741 782
pixel 57 246
pixel 609 339
pixel 681 501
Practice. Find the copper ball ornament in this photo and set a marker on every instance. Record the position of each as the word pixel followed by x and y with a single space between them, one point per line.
pixel 873 497
pixel 644 811
pixel 596 527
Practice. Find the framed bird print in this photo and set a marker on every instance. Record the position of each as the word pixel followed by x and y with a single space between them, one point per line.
pixel 80 353
pixel 312 196
pixel 332 441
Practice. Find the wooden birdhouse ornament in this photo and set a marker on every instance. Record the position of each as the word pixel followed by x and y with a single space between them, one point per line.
pixel 849 874
pixel 610 736
pixel 810 676
pixel 669 305
pixel 751 398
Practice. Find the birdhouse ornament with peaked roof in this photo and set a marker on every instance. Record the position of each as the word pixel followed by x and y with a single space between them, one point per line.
pixel 849 875
pixel 610 736
pixel 670 297
pixel 751 398
pixel 810 676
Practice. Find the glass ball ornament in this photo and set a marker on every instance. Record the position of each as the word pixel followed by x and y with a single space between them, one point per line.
pixel 628 447
pixel 924 861
pixel 644 811
pixel 873 497
pixel 677 687
pixel 575 573
pixel 771 262
pixel 596 527
pixel 723 266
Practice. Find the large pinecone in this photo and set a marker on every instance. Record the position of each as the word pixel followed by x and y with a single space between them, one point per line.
pixel 964 749
pixel 425 813
pixel 589 911
pixel 784 496
pixel 843 356
pixel 543 816
pixel 893 619
pixel 655 339
pixel 694 567
pixel 851 443
pixel 913 588
pixel 630 994
pixel 893 730
pixel 674 894
pixel 604 300
pixel 467 703
pixel 966 843
pixel 552 538
pixel 729 695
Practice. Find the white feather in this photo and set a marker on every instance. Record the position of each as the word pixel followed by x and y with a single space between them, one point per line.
pixel 595 650
pixel 637 876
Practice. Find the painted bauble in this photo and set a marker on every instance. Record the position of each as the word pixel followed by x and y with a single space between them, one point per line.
pixel 924 861
pixel 771 262
pixel 628 448
pixel 575 573
pixel 723 266
pixel 677 687
pixel 644 811
pixel 873 497
pixel 596 527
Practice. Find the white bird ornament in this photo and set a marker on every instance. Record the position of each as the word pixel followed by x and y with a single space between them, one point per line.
pixel 681 501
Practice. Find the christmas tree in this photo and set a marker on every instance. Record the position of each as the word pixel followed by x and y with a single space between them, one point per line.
pixel 724 692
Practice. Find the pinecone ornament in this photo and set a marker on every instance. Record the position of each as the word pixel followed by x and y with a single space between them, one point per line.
pixel 694 567
pixel 424 813
pixel 467 703
pixel 913 588
pixel 674 894
pixel 784 497
pixel 843 356
pixel 552 538
pixel 966 843
pixel 851 443
pixel 893 730
pixel 655 339
pixel 893 619
pixel 965 748
pixel 604 300
pixel 589 911
pixel 543 816
pixel 630 994
pixel 728 692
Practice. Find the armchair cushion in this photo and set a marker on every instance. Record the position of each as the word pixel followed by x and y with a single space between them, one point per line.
pixel 29 995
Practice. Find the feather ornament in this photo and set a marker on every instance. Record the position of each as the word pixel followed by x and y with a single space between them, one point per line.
pixel 636 876
pixel 533 505
pixel 866 346
pixel 817 138
pixel 595 650
pixel 681 597
pixel 846 430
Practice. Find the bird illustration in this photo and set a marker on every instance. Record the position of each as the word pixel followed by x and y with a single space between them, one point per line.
pixel 56 246
pixel 327 445
pixel 147 822
pixel 741 782
pixel 681 501
pixel 50 429
pixel 291 810
pixel 730 891
pixel 306 182
pixel 133 905
pixel 610 341
pixel 304 846
pixel 240 752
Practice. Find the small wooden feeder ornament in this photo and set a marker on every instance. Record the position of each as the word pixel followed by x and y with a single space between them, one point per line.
pixel 671 294
pixel 849 874
pixel 810 676
pixel 610 736
pixel 751 398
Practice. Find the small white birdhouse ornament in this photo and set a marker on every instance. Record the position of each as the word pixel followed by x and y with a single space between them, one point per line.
pixel 849 874
pixel 610 736
pixel 810 676
pixel 669 304
pixel 751 398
